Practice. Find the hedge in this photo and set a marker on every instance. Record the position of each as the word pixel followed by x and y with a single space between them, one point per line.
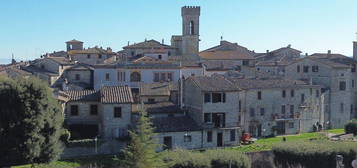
pixel 209 159
pixel 314 154
pixel 351 127
pixel 89 143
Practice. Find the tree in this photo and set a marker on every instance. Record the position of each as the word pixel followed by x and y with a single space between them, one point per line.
pixel 31 122
pixel 141 150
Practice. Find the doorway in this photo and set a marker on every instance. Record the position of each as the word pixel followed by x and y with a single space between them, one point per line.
pixel 167 142
pixel 219 139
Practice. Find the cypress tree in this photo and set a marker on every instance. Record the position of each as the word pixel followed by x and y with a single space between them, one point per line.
pixel 31 122
pixel 141 150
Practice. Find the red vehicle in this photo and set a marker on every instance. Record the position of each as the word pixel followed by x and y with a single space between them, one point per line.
pixel 247 139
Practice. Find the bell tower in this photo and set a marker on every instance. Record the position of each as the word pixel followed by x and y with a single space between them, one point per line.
pixel 190 32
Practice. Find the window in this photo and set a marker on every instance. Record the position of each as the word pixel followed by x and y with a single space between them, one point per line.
pixel 78 77
pixel 259 95
pixel 251 112
pixel 291 125
pixel 302 98
pixel 208 117
pixel 88 56
pixel 315 68
pixel 298 68
pixel 209 136
pixel 107 76
pixel 159 56
pixel 239 106
pixel 100 56
pixel 135 77
pixel 283 93
pixel 117 112
pixel 187 138
pixel 156 77
pixel 353 83
pixel 168 53
pixel 163 76
pixel 310 91
pixel 132 53
pixel 121 76
pixel 192 28
pixel 151 100
pixel 245 62
pixel 233 135
pixel 342 108
pixel 353 69
pixel 306 69
pixel 223 97
pixel 262 111
pixel 283 109
pixel 317 93
pixel 169 77
pixel 216 97
pixel 74 110
pixel 342 85
pixel 93 109
pixel 351 110
pixel 291 109
pixel 207 97
pixel 292 93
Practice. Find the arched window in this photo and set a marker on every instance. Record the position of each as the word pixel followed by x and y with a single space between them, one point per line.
pixel 192 32
pixel 135 77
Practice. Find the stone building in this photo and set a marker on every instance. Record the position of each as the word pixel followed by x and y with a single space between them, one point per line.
pixel 151 48
pixel 78 77
pixel 187 44
pixel 105 112
pixel 212 104
pixel 278 106
pixel 337 74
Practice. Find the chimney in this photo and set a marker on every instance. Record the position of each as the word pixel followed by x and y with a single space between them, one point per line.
pixel 329 52
pixel 306 54
pixel 162 41
pixel 355 50
pixel 267 51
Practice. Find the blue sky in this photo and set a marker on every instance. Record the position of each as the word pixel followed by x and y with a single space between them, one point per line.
pixel 33 27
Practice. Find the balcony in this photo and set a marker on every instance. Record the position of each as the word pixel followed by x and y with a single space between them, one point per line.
pixel 285 116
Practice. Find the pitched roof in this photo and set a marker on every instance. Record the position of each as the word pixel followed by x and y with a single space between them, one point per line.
pixel 94 50
pixel 148 59
pixel 227 51
pixel 175 124
pixel 220 65
pixel 213 84
pixel 116 94
pixel 74 41
pixel 150 44
pixel 268 83
pixel 157 89
pixel 61 60
pixel 33 69
pixel 83 95
pixel 336 58
pixel 162 107
pixel 107 95
pixel 334 62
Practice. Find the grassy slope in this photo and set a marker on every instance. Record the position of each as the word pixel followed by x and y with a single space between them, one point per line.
pixel 260 145
pixel 267 143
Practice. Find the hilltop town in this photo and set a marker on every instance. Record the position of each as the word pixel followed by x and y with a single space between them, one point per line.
pixel 196 99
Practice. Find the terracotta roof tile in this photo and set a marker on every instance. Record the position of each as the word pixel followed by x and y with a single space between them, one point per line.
pixel 116 94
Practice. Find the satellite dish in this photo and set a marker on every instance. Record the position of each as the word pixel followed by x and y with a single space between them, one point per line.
pixel 354 163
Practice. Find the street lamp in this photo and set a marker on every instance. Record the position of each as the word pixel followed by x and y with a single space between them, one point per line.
pixel 96 145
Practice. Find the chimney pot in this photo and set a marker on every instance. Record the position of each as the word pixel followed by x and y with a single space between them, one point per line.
pixel 329 52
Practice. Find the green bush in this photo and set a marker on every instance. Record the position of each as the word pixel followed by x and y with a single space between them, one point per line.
pixel 209 159
pixel 351 127
pixel 65 136
pixel 227 159
pixel 314 154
